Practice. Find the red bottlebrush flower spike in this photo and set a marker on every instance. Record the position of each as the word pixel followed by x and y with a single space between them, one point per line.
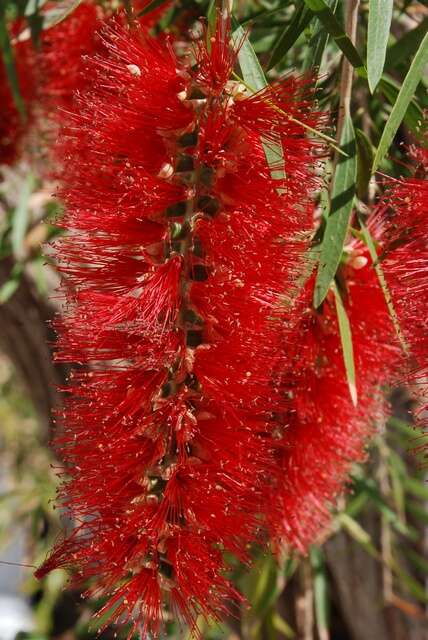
pixel 62 49
pixel 404 214
pixel 174 274
pixel 321 433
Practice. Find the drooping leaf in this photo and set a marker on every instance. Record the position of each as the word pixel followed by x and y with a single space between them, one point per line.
pixel 324 13
pixel 11 285
pixel 342 197
pixel 300 20
pixel 21 216
pixel 318 43
pixel 252 71
pixel 346 342
pixel 364 162
pixel 379 23
pixel 413 115
pixel 320 582
pixel 384 285
pixel 280 625
pixel 404 97
pixel 255 78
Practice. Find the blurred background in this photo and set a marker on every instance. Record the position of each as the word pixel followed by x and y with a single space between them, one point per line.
pixel 368 578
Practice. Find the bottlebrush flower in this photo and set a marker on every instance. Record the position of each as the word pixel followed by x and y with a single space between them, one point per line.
pixel 64 46
pixel 321 434
pixel 180 248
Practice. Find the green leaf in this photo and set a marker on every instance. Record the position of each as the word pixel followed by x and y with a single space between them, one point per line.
pixel 255 78
pixel 414 114
pixel 261 585
pixel 320 583
pixel 335 29
pixel 317 44
pixel 280 625
pixel 53 16
pixel 9 287
pixel 300 20
pixel 406 46
pixel 380 16
pixel 21 216
pixel 364 162
pixel 252 71
pixel 346 342
pixel 9 63
pixel 404 97
pixel 384 285
pixel 358 533
pixel 211 20
pixel 342 198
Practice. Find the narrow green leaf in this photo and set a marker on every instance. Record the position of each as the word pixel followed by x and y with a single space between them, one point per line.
pixel 262 586
pixel 413 115
pixel 300 20
pixel 342 198
pixel 384 286
pixel 318 43
pixel 358 533
pixel 320 583
pixel 324 13
pixel 53 16
pixel 21 216
pixel 9 287
pixel 406 46
pixel 255 78
pixel 211 20
pixel 364 162
pixel 9 63
pixel 280 625
pixel 252 71
pixel 407 90
pixel 346 342
pixel 380 16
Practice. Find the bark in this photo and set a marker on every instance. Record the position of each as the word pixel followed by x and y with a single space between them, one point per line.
pixel 26 338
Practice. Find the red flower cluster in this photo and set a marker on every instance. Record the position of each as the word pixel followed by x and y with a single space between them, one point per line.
pixel 322 433
pixel 180 248
pixel 50 77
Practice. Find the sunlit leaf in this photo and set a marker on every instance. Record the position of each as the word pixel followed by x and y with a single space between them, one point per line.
pixel 346 342
pixel 404 97
pixel 380 15
pixel 342 198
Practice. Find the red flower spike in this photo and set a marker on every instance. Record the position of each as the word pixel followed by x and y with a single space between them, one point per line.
pixel 404 214
pixel 174 273
pixel 322 434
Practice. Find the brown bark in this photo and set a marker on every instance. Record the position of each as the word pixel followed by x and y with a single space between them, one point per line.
pixel 25 337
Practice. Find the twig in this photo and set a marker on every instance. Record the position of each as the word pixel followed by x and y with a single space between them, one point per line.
pixel 345 90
